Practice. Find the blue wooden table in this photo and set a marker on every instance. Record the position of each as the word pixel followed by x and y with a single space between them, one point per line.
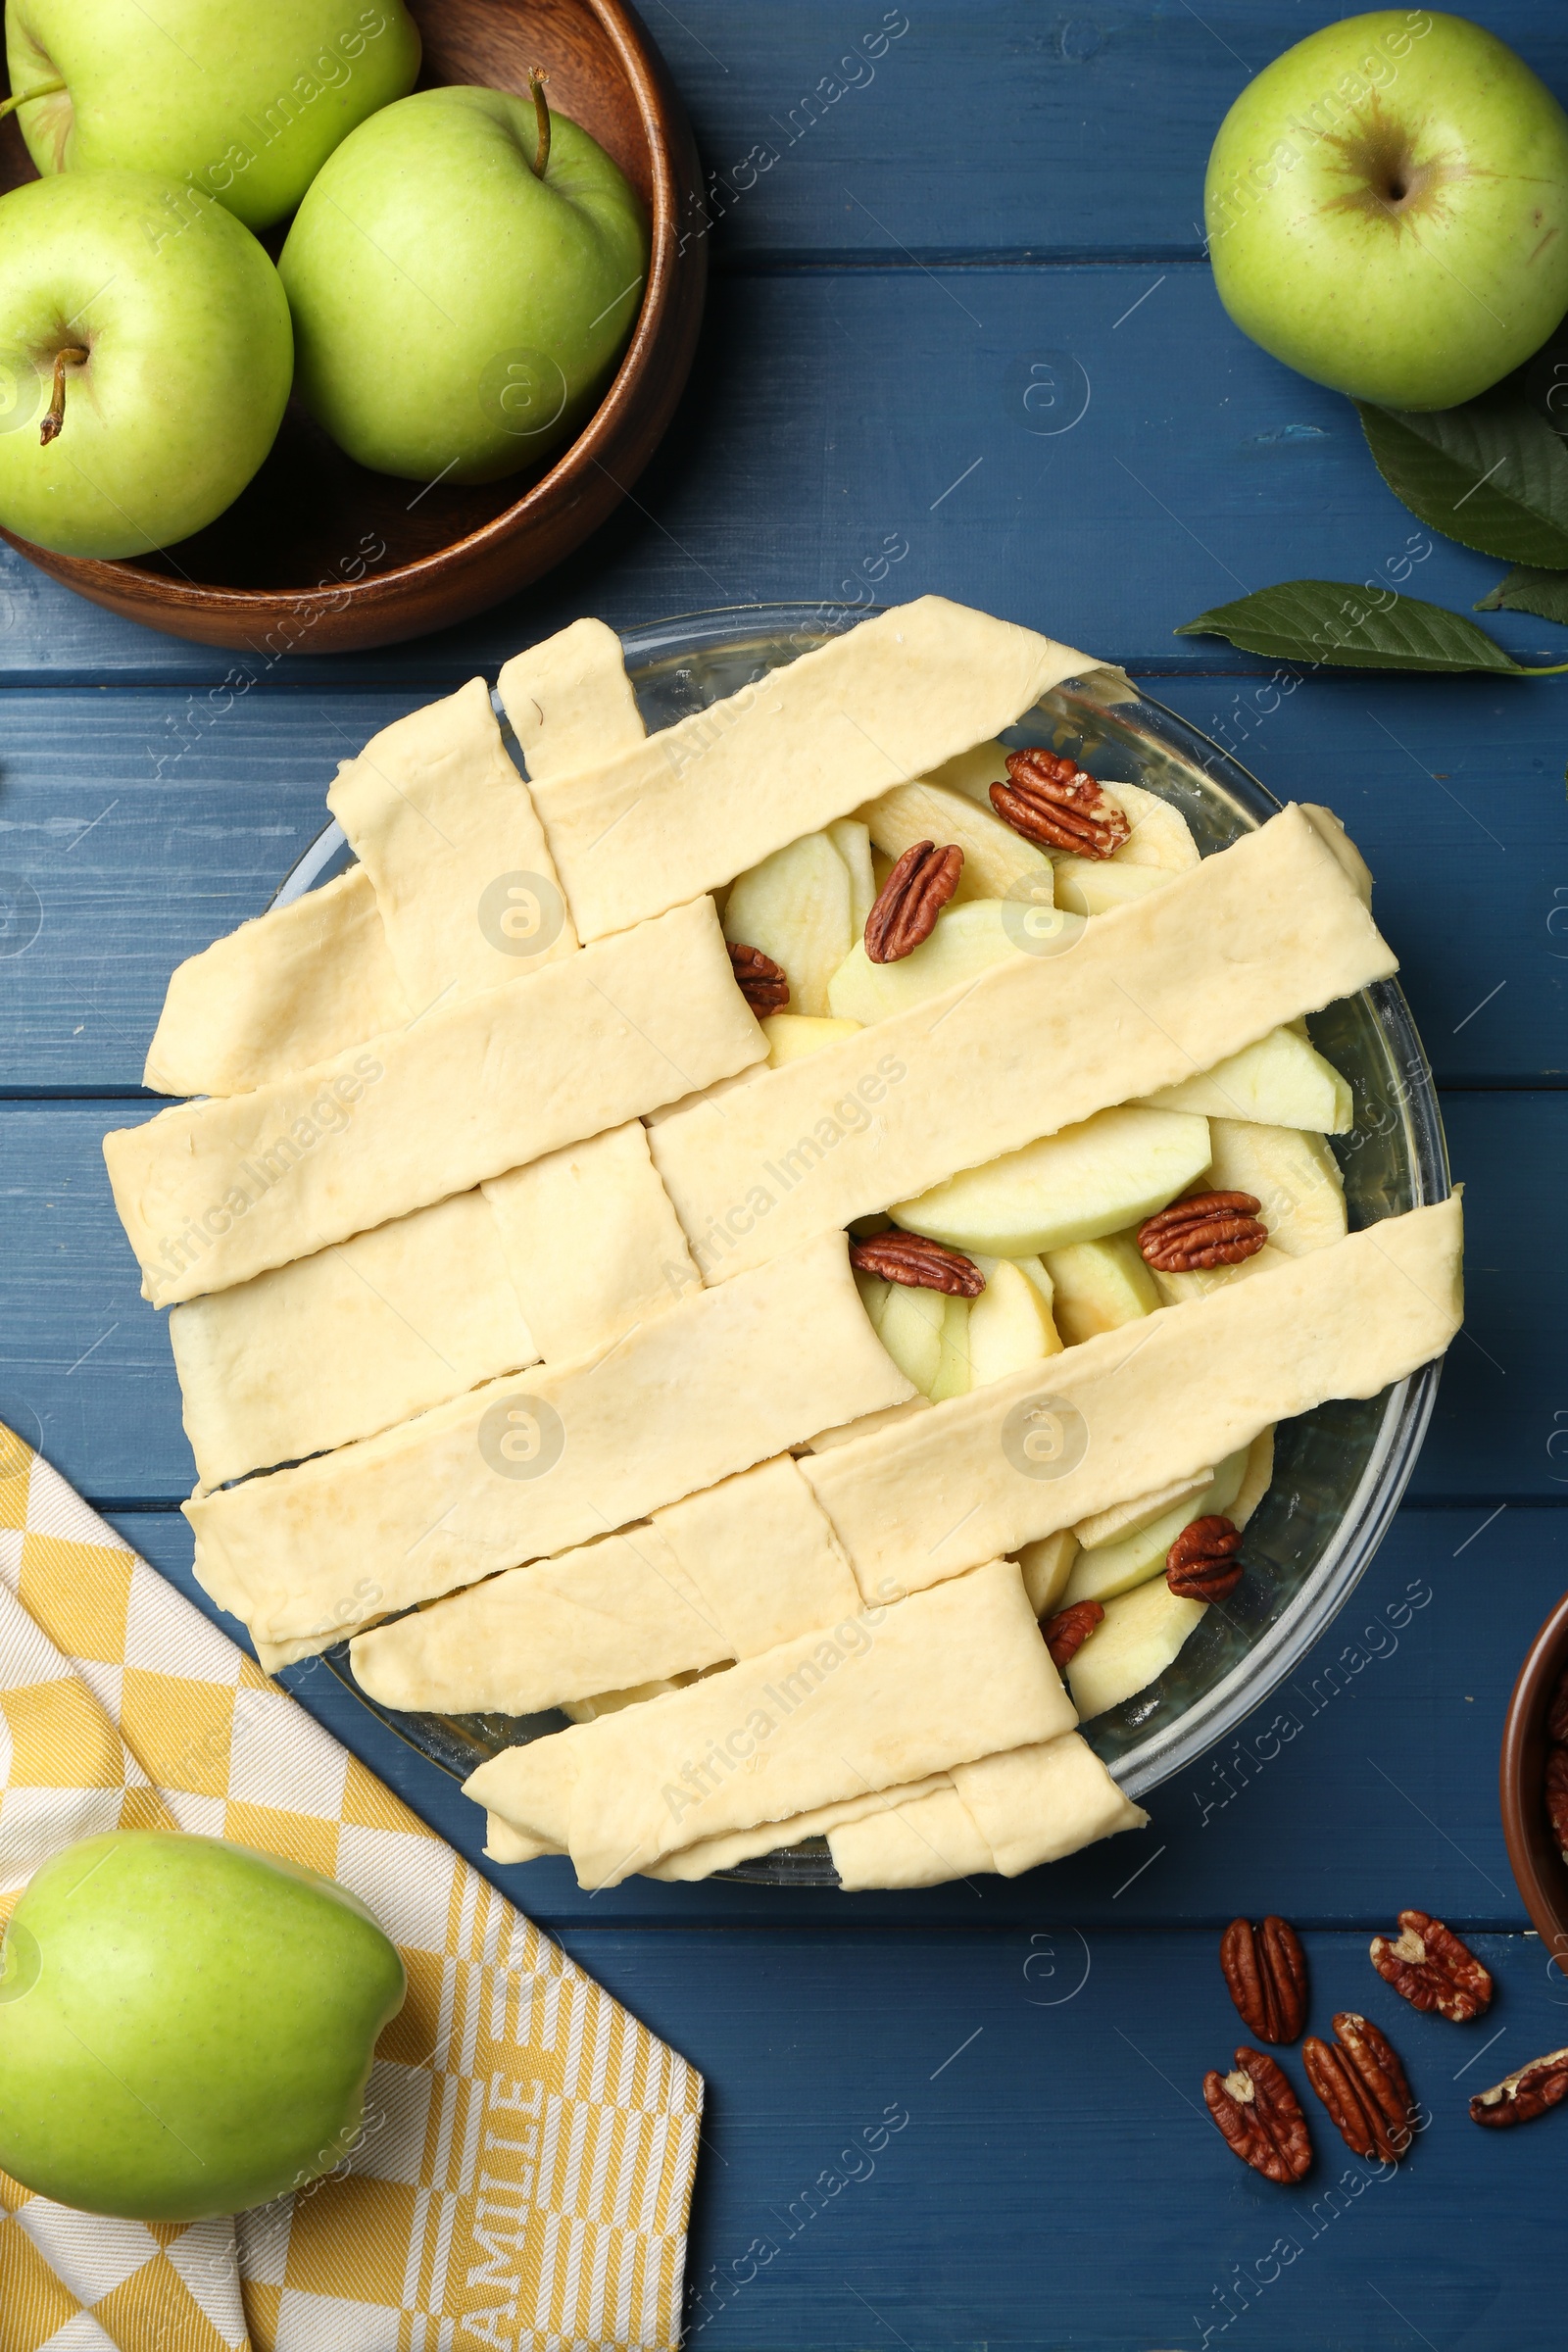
pixel 927 215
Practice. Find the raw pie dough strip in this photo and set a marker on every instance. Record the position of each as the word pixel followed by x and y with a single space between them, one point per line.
pixel 302 983
pixel 1006 1813
pixel 212 1192
pixel 602 1617
pixel 507 1475
pixel 1161 988
pixel 443 825
pixel 726 1574
pixel 378 1328
pixel 1123 1414
pixel 349 1341
pixel 592 1241
pixel 880 1699
pixel 698 802
pixel 569 702
pixel 284 991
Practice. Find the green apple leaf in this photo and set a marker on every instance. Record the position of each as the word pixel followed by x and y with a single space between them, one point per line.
pixel 1529 590
pixel 1335 622
pixel 1491 474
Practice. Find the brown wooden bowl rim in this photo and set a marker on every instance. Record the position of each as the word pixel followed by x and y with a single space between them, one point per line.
pixel 646 75
pixel 1538 1868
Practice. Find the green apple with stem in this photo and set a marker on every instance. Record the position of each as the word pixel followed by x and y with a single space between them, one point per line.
pixel 245 104
pixel 1387 207
pixel 464 276
pixel 187 2027
pixel 145 360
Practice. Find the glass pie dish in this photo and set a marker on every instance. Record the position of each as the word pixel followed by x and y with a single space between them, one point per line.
pixel 1341 1470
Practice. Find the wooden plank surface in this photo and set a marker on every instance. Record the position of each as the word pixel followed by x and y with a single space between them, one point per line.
pixel 962 339
pixel 836 413
pixel 141 842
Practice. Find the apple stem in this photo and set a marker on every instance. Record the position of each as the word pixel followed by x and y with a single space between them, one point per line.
pixel 45 89
pixel 536 91
pixel 71 357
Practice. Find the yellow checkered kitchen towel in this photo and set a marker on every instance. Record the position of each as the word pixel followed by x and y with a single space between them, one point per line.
pixel 530 2148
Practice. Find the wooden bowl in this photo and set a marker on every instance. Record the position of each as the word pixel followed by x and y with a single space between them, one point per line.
pixel 320 555
pixel 1538 1864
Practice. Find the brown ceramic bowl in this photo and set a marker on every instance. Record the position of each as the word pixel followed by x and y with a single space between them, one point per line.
pixel 1537 1865
pixel 275 573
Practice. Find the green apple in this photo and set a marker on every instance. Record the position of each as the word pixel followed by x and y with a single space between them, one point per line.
pixel 457 313
pixel 187 2027
pixel 156 327
pixel 246 104
pixel 1388 208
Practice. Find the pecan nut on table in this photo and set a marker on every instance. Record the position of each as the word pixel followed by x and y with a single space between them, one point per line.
pixel 906 906
pixel 1520 2098
pixel 1265 1969
pixel 1058 805
pixel 1260 2117
pixel 1429 1966
pixel 1361 2083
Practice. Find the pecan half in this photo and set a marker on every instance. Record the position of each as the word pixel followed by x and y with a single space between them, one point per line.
pixel 1557 1712
pixel 1557 1797
pixel 1058 803
pixel 1208 1229
pixel 1265 1969
pixel 919 1265
pixel 1202 1565
pixel 911 899
pixel 1066 1633
pixel 761 981
pixel 1429 1966
pixel 1362 2084
pixel 1520 2098
pixel 1261 2117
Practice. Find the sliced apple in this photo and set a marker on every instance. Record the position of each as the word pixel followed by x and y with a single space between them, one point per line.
pixel 996 858
pixel 1176 1289
pixel 1046 1566
pixel 790 1035
pixel 1283 1081
pixel 1009 1325
pixel 1095 885
pixel 1138 1637
pixel 1099 1285
pixel 797 907
pixel 972 772
pixel 967 940
pixel 1293 1175
pixel 1256 1477
pixel 1160 834
pixel 1104 1174
pixel 852 842
pixel 910 1330
pixel 953 1365
pixel 874 1291
pixel 1112 1568
pixel 1131 1518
